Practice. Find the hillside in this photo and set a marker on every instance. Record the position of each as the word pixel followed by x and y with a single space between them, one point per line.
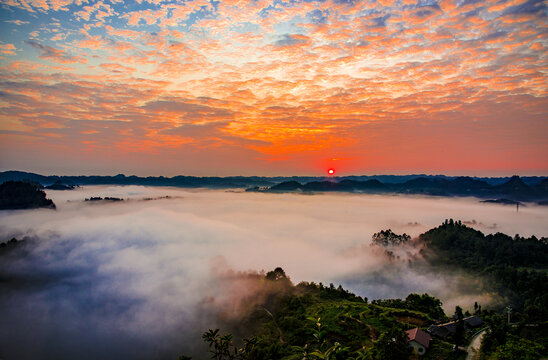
pixel 517 267
pixel 22 195
pixel 313 321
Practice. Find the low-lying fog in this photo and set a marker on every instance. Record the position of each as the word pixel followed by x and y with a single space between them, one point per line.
pixel 128 279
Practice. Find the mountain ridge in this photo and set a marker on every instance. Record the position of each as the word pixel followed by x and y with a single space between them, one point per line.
pixel 515 188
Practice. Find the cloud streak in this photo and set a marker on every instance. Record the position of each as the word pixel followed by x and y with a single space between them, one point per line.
pixel 55 55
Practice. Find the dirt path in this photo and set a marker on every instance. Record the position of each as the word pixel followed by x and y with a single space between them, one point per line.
pixel 473 348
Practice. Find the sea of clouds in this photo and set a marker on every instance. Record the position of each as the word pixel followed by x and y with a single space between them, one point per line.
pixel 134 279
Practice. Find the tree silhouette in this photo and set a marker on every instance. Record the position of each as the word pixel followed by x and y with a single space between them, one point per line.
pixel 459 331
pixel 23 195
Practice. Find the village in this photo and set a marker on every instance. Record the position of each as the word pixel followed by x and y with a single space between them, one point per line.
pixel 421 340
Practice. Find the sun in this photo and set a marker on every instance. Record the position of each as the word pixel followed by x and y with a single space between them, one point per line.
pixel 331 171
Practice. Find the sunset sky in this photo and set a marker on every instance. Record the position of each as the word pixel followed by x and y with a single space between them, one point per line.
pixel 274 88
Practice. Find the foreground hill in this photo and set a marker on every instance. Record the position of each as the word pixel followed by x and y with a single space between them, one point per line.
pixel 312 321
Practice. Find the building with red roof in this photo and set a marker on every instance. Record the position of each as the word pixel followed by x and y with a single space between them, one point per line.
pixel 419 340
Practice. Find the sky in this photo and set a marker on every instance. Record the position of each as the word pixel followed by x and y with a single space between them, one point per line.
pixel 161 87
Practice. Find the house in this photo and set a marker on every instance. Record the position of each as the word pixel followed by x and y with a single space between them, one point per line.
pixel 443 330
pixel 419 340
pixel 438 331
pixel 450 326
pixel 472 322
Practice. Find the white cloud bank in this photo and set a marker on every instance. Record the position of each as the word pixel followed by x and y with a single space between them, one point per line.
pixel 126 279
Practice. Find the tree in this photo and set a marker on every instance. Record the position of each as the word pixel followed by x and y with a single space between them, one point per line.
pixel 459 331
pixel 387 238
pixel 392 345
pixel 278 274
pixel 222 347
pixel 496 334
pixel 477 308
pixel 426 304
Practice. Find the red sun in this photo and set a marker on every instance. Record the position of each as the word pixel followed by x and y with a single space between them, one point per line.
pixel 331 171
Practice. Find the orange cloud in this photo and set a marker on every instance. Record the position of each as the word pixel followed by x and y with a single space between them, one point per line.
pixel 7 49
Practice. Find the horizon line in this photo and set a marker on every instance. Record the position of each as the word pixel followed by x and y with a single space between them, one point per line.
pixel 286 176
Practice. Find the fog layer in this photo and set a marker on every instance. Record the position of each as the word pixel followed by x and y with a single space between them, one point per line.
pixel 129 279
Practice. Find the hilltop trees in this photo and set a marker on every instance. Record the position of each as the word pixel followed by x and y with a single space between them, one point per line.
pixel 387 238
pixel 426 304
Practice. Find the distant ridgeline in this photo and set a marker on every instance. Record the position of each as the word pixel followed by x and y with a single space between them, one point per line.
pixel 23 195
pixel 509 192
pixel 498 190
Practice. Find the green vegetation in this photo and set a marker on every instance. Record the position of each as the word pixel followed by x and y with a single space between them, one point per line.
pixel 517 348
pixel 516 268
pixel 388 238
pixel 470 248
pixel 424 303
pixel 22 195
pixel 313 321
pixel 521 340
pixel 443 350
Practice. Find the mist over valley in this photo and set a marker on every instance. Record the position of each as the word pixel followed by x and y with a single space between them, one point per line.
pixel 143 277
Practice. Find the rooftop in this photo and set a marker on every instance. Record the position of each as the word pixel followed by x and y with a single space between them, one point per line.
pixel 419 336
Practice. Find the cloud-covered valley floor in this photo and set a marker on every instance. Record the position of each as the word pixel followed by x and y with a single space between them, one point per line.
pixel 129 279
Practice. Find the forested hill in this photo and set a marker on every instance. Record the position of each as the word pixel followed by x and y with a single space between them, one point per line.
pixel 456 244
pixel 518 266
pixel 16 195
